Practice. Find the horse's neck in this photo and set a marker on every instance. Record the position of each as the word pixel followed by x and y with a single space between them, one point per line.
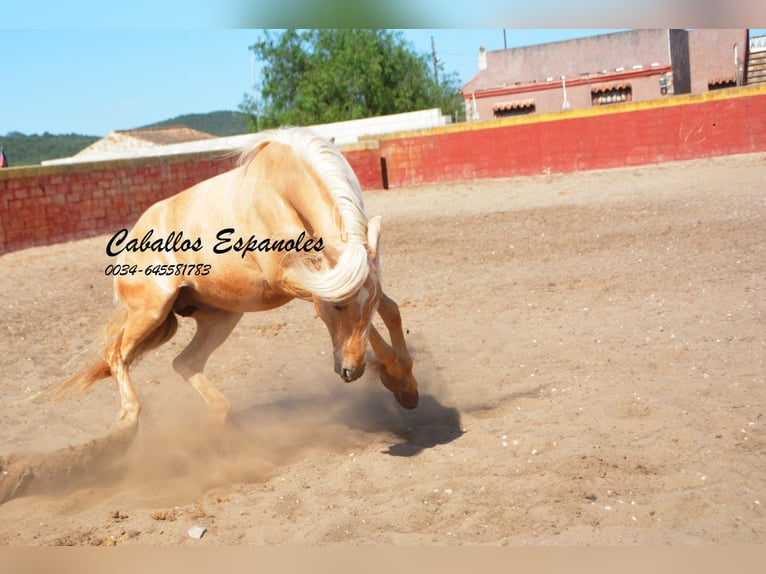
pixel 303 192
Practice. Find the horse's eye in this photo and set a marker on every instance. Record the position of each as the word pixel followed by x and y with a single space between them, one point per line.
pixel 340 307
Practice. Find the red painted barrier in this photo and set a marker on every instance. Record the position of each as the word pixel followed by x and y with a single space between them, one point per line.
pixel 49 204
pixel 577 141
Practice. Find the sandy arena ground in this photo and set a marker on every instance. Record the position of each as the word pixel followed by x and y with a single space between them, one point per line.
pixel 590 350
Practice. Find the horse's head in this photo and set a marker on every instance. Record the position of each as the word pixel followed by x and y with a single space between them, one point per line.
pixel 348 320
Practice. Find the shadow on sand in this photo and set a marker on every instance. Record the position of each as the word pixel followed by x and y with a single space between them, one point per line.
pixel 320 421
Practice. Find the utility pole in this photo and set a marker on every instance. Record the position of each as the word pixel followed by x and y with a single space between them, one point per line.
pixel 253 49
pixel 435 60
pixel 255 90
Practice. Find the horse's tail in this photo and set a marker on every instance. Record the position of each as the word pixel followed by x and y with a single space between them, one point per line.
pixel 99 369
pixel 96 370
pixel 84 379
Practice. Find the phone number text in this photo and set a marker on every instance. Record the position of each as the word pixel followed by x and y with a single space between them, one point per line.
pixel 186 269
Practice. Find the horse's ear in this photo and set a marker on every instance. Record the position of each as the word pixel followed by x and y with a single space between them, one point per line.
pixel 373 234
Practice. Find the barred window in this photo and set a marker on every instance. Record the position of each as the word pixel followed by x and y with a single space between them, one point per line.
pixel 611 94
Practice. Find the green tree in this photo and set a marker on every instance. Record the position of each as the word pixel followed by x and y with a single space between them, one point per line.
pixel 321 76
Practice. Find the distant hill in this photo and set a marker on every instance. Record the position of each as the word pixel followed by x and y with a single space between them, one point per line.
pixel 23 150
pixel 219 124
pixel 33 149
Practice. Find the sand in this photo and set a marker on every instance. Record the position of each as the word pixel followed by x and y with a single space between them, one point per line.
pixel 590 353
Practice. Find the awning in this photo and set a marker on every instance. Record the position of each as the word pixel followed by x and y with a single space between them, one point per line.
pixel 729 81
pixel 610 87
pixel 520 104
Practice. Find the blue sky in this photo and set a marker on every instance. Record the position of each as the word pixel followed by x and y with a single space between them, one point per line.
pixel 94 81
pixel 87 66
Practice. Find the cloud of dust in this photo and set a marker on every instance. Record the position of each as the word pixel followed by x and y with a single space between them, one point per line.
pixel 177 456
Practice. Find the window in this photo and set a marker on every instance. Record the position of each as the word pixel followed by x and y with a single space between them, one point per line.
pixel 611 94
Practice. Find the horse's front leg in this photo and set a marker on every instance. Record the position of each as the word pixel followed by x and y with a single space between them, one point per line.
pixel 213 328
pixel 396 372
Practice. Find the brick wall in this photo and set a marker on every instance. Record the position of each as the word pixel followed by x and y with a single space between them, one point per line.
pixel 365 160
pixel 50 204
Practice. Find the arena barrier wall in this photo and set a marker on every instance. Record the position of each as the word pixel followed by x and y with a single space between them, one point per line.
pixel 680 128
pixel 50 204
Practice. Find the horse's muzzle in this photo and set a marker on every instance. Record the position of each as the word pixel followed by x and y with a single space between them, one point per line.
pixel 348 374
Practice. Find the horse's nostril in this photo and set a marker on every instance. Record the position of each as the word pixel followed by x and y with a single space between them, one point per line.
pixel 346 374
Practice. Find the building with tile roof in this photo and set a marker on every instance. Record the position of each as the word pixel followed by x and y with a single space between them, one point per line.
pixel 120 141
pixel 635 65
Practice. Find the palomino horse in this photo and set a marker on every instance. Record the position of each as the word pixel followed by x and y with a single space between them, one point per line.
pixel 288 222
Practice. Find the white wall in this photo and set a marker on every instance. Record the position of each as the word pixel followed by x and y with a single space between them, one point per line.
pixel 344 133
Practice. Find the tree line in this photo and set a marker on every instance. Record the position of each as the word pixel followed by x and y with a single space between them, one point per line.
pixel 22 149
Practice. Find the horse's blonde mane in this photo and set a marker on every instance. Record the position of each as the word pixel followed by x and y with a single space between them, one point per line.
pixel 352 267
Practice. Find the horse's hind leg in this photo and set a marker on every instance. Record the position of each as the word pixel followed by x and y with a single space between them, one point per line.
pixel 141 330
pixel 213 328
pixel 396 374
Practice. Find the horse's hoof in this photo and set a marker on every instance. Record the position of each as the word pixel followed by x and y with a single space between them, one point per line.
pixel 408 399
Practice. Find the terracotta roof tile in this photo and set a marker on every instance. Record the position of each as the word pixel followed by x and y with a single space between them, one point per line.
pixel 167 135
pixel 727 81
pixel 610 87
pixel 502 106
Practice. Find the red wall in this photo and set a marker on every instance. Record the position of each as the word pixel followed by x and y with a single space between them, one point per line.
pixel 50 204
pixel 366 164
pixel 641 134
